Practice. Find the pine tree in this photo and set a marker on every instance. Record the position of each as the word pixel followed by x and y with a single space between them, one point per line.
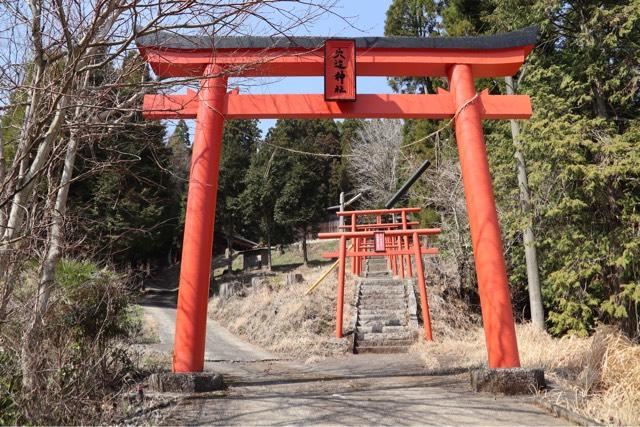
pixel 239 142
pixel 307 190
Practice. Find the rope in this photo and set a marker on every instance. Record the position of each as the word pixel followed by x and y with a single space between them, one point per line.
pixel 417 141
pixel 446 125
pixel 307 153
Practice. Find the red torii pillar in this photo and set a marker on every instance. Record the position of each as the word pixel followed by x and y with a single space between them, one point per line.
pixel 195 270
pixel 493 287
pixel 459 59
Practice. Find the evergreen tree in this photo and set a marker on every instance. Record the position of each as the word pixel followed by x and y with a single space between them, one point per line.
pixel 263 184
pixel 127 210
pixel 124 200
pixel 417 18
pixel 307 190
pixel 239 142
pixel 290 190
pixel 348 129
pixel 412 18
pixel 180 164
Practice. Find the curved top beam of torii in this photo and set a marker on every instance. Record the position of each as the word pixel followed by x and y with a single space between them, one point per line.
pixel 174 55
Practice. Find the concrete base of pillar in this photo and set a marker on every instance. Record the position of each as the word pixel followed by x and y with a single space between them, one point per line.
pixel 189 382
pixel 507 380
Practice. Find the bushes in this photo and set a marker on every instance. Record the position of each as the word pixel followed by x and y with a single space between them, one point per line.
pixel 76 357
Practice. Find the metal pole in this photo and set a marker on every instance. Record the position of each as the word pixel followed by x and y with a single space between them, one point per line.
pixel 408 183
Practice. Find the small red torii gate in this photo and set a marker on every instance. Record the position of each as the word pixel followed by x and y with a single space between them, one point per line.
pixel 460 60
pixel 398 243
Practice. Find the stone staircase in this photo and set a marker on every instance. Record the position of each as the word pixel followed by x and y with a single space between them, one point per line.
pixel 386 311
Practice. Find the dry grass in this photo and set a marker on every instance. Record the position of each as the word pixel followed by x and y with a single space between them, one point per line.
pixel 284 320
pixel 598 376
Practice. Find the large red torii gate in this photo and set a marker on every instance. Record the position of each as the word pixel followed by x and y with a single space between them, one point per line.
pixel 460 60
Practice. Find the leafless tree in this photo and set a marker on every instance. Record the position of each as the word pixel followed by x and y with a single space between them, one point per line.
pixel 375 160
pixel 50 106
pixel 443 192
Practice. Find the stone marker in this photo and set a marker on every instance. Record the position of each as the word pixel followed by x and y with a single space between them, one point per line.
pixel 189 382
pixel 507 380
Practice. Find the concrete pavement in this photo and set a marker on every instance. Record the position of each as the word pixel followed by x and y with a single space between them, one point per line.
pixel 370 389
pixel 355 390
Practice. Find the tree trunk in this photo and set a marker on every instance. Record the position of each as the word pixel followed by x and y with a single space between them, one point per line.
pixel 531 257
pixel 229 255
pixel 16 213
pixel 600 102
pixel 2 175
pixel 305 259
pixel 269 245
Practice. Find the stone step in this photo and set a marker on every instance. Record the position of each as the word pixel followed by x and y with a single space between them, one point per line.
pixel 382 350
pixel 367 302
pixel 385 306
pixel 382 337
pixel 382 263
pixel 405 344
pixel 381 295
pixel 377 286
pixel 382 282
pixel 383 311
pixel 377 261
pixel 381 298
pixel 381 288
pixel 370 318
pixel 380 328
pixel 378 273
pixel 377 325
pixel 391 321
pixel 381 317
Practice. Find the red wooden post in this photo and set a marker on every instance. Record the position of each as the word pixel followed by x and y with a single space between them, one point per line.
pixel 193 294
pixel 424 305
pixel 398 246
pixel 394 269
pixel 497 315
pixel 361 259
pixel 354 268
pixel 340 303
pixel 406 242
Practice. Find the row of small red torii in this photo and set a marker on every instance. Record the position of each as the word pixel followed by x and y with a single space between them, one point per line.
pixel 459 60
pixel 394 240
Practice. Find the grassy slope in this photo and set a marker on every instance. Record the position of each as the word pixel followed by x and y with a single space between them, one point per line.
pixel 281 317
